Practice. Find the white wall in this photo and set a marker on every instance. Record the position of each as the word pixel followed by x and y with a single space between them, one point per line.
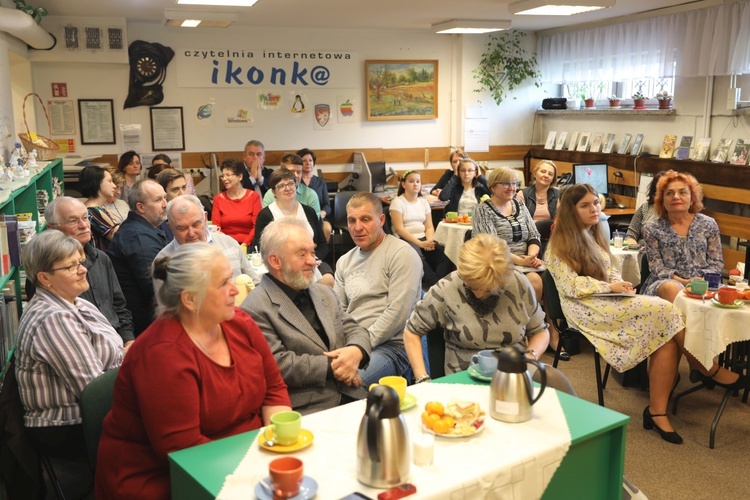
pixel 10 47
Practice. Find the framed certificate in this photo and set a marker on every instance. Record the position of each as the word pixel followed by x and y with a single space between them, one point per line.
pixel 167 129
pixel 97 121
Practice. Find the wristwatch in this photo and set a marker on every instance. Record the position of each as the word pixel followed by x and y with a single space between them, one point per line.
pixel 533 353
pixel 423 378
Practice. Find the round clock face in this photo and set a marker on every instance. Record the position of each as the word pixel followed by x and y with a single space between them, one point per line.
pixel 146 66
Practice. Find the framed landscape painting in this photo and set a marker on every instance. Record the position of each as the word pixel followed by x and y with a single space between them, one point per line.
pixel 402 90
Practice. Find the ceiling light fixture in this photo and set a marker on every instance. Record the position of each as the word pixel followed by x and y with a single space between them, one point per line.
pixel 557 7
pixel 219 3
pixel 195 18
pixel 470 27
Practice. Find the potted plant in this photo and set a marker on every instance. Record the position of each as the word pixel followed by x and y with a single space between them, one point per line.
pixel 37 13
pixel 639 100
pixel 665 100
pixel 506 65
pixel 576 94
pixel 614 101
pixel 590 102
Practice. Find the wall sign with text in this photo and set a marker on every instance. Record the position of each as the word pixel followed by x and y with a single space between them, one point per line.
pixel 242 68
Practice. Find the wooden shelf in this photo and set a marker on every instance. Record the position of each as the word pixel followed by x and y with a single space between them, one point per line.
pixel 608 111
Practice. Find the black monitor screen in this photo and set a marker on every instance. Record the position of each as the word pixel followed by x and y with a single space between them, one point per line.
pixel 594 174
pixel 377 171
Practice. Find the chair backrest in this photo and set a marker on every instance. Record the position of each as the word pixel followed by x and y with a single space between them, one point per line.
pixel 551 297
pixel 96 401
pixel 645 271
pixel 339 208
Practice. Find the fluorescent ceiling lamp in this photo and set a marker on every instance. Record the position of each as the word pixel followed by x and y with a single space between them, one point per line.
pixel 219 3
pixel 195 18
pixel 470 27
pixel 557 7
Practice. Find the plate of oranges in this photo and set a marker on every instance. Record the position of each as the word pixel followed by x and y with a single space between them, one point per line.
pixel 457 419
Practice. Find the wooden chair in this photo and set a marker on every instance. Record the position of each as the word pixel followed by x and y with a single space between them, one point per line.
pixel 556 315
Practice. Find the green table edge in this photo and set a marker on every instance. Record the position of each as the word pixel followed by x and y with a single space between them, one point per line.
pixel 230 451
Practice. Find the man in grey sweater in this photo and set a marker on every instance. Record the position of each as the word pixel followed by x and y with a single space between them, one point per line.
pixel 378 283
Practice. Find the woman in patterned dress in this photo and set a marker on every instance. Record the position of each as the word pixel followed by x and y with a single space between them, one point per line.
pixel 624 330
pixel 682 243
pixel 486 304
pixel 97 186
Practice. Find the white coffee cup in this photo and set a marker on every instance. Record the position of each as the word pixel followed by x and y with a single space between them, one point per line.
pixel 618 240
pixel 257 261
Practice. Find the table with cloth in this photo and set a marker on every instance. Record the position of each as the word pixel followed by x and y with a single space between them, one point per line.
pixel 566 440
pixel 451 236
pixel 628 262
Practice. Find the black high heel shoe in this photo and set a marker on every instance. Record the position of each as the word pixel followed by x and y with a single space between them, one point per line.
pixel 709 381
pixel 648 424
pixel 564 356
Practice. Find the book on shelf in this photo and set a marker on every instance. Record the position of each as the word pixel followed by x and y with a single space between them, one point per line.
pixel 573 141
pixel 683 150
pixel 596 142
pixel 739 157
pixel 637 145
pixel 700 153
pixel 608 143
pixel 550 144
pixel 560 142
pixel 722 151
pixel 14 245
pixel 667 147
pixel 583 144
pixel 4 248
pixel 623 149
pixel 686 141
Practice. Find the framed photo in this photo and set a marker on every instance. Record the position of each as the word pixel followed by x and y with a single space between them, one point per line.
pixel 402 90
pixel 167 129
pixel 97 119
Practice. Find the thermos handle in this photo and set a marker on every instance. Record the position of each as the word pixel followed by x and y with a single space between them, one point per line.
pixel 543 383
pixel 373 417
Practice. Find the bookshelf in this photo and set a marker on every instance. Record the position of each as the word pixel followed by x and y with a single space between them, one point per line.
pixel 18 198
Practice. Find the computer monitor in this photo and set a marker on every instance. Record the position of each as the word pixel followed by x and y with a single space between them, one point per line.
pixel 378 173
pixel 594 174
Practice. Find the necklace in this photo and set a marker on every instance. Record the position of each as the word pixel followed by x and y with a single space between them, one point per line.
pixel 200 345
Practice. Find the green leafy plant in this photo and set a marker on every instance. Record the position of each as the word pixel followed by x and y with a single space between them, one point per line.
pixel 506 65
pixel 37 13
pixel 639 95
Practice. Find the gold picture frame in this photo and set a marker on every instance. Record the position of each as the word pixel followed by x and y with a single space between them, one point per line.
pixel 402 89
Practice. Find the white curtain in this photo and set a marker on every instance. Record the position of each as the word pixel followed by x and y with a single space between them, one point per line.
pixel 704 42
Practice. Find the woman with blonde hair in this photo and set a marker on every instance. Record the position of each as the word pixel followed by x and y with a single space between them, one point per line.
pixel 540 197
pixel 117 208
pixel 485 304
pixel 624 328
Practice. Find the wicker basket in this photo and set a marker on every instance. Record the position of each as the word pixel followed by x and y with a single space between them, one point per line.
pixel 49 150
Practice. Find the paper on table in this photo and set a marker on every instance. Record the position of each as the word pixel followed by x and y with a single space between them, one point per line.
pixel 515 461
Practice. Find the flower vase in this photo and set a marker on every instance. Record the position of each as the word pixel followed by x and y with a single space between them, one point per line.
pixel 614 103
pixel 665 103
pixel 639 103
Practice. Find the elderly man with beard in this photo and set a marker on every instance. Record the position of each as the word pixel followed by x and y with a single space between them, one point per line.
pixel 318 347
pixel 70 217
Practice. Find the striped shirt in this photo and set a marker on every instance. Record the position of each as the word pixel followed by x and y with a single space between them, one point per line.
pixel 61 348
pixel 518 229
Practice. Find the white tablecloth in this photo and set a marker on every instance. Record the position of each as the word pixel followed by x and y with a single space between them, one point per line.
pixel 628 262
pixel 710 329
pixel 509 461
pixel 451 236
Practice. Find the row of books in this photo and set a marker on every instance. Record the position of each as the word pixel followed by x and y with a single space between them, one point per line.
pixel 596 142
pixel 8 320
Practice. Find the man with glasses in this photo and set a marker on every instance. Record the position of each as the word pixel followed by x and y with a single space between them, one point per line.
pixel 70 217
pixel 256 175
pixel 187 220
pixel 305 195
pixel 135 246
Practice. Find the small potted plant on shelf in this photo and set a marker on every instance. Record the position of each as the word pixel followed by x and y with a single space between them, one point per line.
pixel 614 102
pixel 589 102
pixel 639 100
pixel 665 100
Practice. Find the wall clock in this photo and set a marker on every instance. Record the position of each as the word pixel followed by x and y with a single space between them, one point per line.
pixel 148 70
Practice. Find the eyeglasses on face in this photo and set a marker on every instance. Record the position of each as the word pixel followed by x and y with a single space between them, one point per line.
pixel 227 175
pixel 513 184
pixel 71 269
pixel 286 185
pixel 72 222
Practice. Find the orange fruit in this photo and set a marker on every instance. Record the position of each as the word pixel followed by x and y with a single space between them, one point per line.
pixel 435 407
pixel 448 420
pixel 426 420
pixel 441 427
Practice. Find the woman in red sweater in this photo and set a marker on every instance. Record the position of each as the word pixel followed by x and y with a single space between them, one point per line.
pixel 202 371
pixel 236 209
